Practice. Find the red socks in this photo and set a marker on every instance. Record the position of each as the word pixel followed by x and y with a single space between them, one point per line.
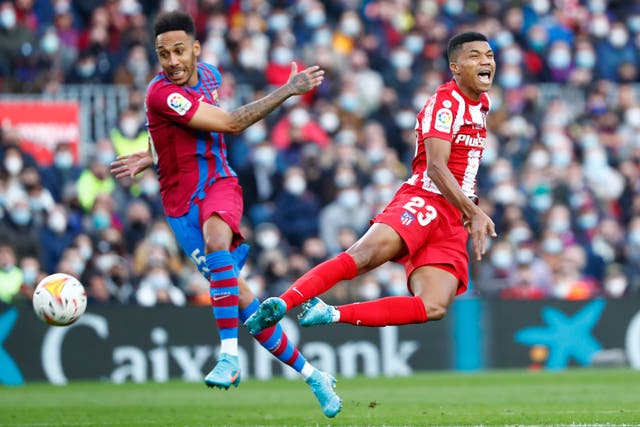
pixel 320 279
pixel 384 312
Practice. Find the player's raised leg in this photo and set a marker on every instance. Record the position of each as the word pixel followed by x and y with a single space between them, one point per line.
pixel 379 244
pixel 434 287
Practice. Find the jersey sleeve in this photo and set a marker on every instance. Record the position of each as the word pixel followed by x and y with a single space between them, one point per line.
pixel 439 117
pixel 172 102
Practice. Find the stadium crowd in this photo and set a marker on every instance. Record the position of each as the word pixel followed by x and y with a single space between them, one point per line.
pixel 560 174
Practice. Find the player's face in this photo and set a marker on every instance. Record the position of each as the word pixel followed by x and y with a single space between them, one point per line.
pixel 474 68
pixel 177 53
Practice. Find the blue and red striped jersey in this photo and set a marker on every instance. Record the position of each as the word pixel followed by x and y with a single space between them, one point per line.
pixel 188 160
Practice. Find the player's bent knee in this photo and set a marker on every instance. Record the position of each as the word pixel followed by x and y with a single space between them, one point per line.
pixel 435 311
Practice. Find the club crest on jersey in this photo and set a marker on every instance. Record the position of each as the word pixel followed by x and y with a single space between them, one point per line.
pixel 178 103
pixel 443 120
pixel 406 218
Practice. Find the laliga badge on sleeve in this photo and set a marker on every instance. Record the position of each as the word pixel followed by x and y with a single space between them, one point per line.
pixel 178 103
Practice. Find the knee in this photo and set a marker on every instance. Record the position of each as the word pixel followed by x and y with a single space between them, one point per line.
pixel 213 244
pixel 435 310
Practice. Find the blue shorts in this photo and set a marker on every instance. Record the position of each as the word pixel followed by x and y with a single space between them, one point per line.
pixel 223 198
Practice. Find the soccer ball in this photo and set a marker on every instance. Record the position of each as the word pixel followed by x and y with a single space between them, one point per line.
pixel 59 299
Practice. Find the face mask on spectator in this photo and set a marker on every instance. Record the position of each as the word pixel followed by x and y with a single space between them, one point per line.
pixel 585 59
pixel 510 79
pixel 161 238
pixel 86 68
pixel 634 237
pixel 21 216
pixel 512 55
pixel 401 59
pixel 344 179
pixel 453 7
pixel 250 58
pixel 376 155
pixel 541 202
pixel 561 159
pixel 322 37
pixel 597 6
pixel 369 291
pixel 348 102
pixel 414 44
pixel 350 26
pixel 382 176
pixel 329 122
pixel 78 266
pixel 282 55
pixel 587 221
pixel 264 156
pixel 349 198
pixel 13 165
pixel 314 18
pixel 50 43
pixel 57 222
pixel 618 37
pixel 295 185
pixel 405 119
pixel 503 38
pixel 129 126
pixel 8 18
pixel 633 23
pixel 525 256
pixel 150 186
pixel 600 27
pixel 541 7
pixel 632 117
pixel 158 280
pixel 29 276
pixel 268 239
pixel 519 234
pixel 278 22
pixel 101 220
pixel 255 134
pixel 615 286
pixel 501 258
pixel 298 117
pixel 559 58
pixel 552 246
pixel 63 160
pixel 559 226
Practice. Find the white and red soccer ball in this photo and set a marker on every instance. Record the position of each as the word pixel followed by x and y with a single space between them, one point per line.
pixel 59 299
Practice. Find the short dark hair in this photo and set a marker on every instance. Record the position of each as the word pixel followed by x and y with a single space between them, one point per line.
pixel 456 42
pixel 174 21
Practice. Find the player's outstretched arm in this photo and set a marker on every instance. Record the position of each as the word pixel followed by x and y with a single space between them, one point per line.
pixel 477 223
pixel 130 165
pixel 214 119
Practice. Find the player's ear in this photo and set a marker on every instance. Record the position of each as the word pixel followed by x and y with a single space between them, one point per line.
pixel 196 47
pixel 453 66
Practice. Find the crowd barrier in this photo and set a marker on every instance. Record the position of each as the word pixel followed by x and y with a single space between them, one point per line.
pixel 126 343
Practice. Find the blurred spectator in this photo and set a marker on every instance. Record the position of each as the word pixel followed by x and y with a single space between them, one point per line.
pixel 61 173
pixel 55 237
pixel 18 227
pixel 348 210
pixel 156 288
pixel 11 277
pixel 93 181
pixel 32 274
pixel 296 208
pixel 130 135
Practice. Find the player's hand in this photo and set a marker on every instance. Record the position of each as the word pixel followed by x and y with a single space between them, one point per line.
pixel 129 165
pixel 479 226
pixel 305 80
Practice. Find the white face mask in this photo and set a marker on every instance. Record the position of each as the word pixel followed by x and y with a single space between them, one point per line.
pixel 8 18
pixel 57 222
pixel 349 198
pixel 129 126
pixel 296 185
pixel 13 165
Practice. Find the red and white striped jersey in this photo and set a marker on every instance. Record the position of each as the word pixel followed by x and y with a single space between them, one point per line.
pixel 450 115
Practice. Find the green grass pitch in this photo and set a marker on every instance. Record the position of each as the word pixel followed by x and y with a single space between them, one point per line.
pixel 574 397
